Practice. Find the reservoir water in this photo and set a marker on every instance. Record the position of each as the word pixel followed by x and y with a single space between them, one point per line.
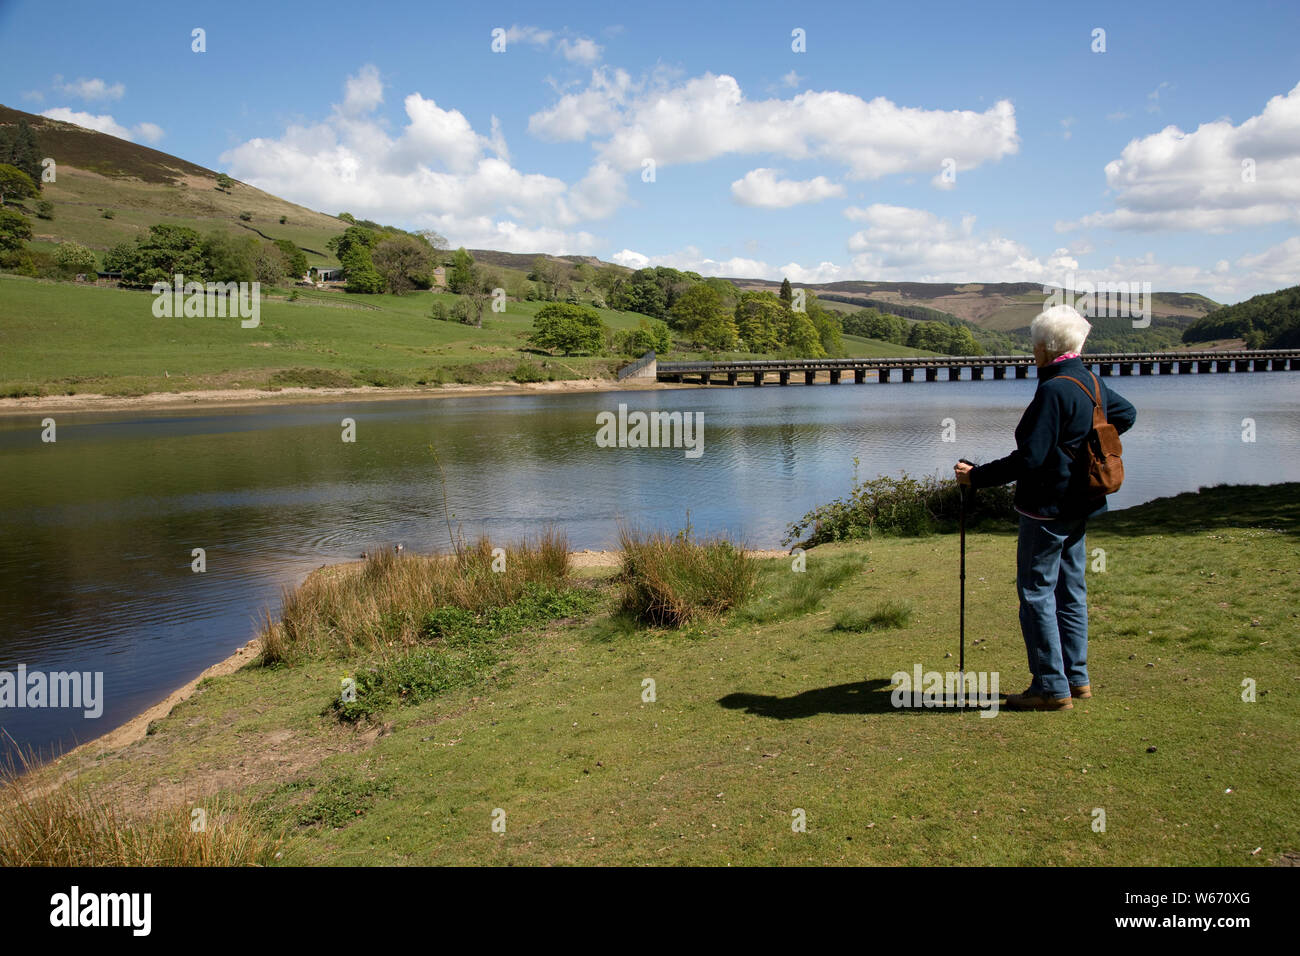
pixel 98 529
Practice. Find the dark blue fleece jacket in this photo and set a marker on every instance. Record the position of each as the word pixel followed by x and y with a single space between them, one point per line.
pixel 1060 416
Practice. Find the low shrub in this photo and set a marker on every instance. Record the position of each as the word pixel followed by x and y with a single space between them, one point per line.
pixel 528 372
pixel 902 507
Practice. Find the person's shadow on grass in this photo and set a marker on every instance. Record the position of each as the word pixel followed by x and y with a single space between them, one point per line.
pixel 863 697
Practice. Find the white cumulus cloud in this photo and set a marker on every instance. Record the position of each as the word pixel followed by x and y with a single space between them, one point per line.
pixel 763 187
pixel 104 123
pixel 904 244
pixel 436 170
pixel 90 89
pixel 708 116
pixel 1214 179
pixel 691 259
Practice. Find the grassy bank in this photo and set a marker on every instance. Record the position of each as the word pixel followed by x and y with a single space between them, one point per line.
pixel 66 338
pixel 782 704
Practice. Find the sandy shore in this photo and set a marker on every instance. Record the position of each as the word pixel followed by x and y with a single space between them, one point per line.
pixel 234 397
pixel 138 727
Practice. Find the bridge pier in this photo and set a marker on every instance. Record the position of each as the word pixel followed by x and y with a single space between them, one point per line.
pixel 731 378
pixel 1125 368
pixel 704 378
pixel 758 379
pixel 1105 370
pixel 1145 368
pixel 882 375
pixel 859 376
pixel 835 376
pixel 1184 368
pixel 1022 371
pixel 932 374
pixel 1203 368
pixel 954 373
pixel 784 377
pixel 907 374
pixel 977 373
pixel 1166 368
pixel 999 372
pixel 1240 365
pixel 809 377
pixel 1259 365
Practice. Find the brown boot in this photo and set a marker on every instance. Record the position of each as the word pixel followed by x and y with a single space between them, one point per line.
pixel 1035 700
pixel 1082 691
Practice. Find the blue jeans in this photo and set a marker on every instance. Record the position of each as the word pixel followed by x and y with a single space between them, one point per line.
pixel 1051 560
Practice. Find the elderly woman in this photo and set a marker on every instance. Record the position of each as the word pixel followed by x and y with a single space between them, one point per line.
pixel 1054 508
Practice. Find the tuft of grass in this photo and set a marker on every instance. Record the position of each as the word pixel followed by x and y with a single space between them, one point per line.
pixel 412 679
pixel 459 654
pixel 891 614
pixel 788 594
pixel 670 580
pixel 69 825
pixel 341 801
pixel 386 602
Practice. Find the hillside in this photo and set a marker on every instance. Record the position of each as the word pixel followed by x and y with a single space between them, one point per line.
pixel 1270 321
pixel 523 261
pixel 998 306
pixel 100 175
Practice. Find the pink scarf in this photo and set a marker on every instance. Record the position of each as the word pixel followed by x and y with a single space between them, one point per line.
pixel 1064 356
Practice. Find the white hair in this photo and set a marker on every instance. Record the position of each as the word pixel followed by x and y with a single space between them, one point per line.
pixel 1059 329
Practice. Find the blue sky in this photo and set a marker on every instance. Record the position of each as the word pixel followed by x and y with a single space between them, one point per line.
pixel 825 164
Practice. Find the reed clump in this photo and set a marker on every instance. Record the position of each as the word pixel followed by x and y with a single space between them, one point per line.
pixel 387 602
pixel 668 580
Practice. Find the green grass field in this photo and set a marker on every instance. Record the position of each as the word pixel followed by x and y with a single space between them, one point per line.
pixel 66 338
pixel 776 710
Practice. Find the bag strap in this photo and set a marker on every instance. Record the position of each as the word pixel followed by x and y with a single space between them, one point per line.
pixel 1096 402
pixel 1070 378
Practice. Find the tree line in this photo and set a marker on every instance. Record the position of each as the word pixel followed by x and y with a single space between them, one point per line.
pixel 1267 321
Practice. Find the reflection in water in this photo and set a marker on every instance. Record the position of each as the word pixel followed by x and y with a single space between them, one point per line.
pixel 97 530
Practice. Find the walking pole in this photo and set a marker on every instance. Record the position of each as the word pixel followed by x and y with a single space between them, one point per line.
pixel 961 658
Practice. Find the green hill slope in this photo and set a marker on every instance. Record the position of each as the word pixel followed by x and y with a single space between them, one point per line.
pixel 1269 321
pixel 98 176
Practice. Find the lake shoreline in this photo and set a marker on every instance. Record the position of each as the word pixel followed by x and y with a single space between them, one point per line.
pixel 256 397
